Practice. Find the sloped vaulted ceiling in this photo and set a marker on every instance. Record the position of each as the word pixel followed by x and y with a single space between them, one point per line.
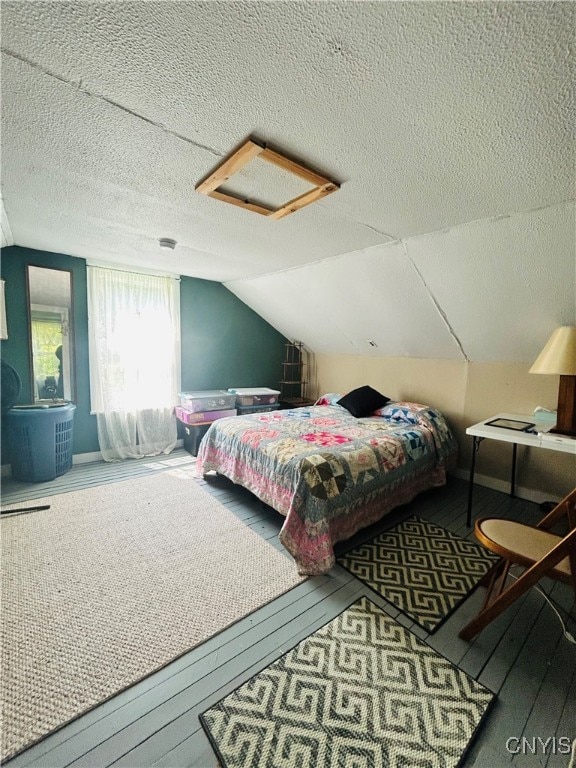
pixel 448 125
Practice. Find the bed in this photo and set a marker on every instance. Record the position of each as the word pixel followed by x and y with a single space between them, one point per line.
pixel 329 473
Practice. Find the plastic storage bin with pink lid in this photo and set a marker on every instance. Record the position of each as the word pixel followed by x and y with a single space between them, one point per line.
pixel 255 396
pixel 207 400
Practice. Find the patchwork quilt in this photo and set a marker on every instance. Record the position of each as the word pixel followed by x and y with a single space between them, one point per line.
pixel 328 472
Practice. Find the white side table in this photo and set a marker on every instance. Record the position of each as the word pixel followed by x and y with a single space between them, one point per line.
pixel 539 437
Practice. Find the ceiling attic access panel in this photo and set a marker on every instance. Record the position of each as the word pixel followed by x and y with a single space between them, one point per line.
pixel 245 154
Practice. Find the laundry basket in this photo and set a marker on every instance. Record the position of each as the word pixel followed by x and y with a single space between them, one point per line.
pixel 40 441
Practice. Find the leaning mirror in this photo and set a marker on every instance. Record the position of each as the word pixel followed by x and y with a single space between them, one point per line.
pixel 51 342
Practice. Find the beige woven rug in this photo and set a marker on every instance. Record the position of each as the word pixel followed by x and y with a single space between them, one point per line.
pixel 112 583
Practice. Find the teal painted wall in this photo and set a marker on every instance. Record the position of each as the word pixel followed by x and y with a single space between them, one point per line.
pixel 224 342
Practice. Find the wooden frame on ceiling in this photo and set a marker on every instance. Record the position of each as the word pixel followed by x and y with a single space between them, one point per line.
pixel 322 186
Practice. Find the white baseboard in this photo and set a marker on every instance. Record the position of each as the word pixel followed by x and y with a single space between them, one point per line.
pixel 86 458
pixel 504 486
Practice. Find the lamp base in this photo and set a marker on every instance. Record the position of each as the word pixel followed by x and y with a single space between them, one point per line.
pixel 566 421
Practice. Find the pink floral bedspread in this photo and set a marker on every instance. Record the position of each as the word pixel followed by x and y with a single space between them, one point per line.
pixel 328 472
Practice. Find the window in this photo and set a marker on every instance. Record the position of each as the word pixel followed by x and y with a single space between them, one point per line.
pixel 134 334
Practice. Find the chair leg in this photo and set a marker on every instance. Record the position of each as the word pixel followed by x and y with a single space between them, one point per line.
pixel 490 612
pixel 506 598
pixel 490 580
pixel 488 577
pixel 503 576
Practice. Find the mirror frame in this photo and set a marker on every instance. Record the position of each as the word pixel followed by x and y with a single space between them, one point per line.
pixel 33 399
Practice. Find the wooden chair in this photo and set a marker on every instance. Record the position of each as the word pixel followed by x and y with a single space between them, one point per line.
pixel 536 548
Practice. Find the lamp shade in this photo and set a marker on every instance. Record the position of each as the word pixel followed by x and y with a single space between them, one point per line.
pixel 559 354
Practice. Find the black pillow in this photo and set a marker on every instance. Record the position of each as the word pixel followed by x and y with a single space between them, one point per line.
pixel 363 401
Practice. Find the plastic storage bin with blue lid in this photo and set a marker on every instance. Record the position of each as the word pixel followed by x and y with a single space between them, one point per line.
pixel 255 396
pixel 246 410
pixel 40 441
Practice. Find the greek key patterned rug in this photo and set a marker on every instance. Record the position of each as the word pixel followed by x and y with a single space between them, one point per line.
pixel 361 691
pixel 423 569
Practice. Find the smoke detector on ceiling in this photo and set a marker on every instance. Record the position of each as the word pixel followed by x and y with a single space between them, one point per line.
pixel 168 243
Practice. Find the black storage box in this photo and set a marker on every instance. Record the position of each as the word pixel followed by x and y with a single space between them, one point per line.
pixel 193 434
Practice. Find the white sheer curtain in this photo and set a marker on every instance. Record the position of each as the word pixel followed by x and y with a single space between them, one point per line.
pixel 134 347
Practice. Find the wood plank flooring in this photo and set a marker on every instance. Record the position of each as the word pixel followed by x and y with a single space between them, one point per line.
pixel 84 475
pixel 522 656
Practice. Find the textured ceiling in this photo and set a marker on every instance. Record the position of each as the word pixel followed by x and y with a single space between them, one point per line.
pixel 429 114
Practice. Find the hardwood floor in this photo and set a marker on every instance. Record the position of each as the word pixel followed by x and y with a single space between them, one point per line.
pixel 522 656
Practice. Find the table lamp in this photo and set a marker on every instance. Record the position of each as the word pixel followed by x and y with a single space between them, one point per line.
pixel 559 357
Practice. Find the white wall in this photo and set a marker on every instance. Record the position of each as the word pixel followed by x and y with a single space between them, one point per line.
pixel 486 291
